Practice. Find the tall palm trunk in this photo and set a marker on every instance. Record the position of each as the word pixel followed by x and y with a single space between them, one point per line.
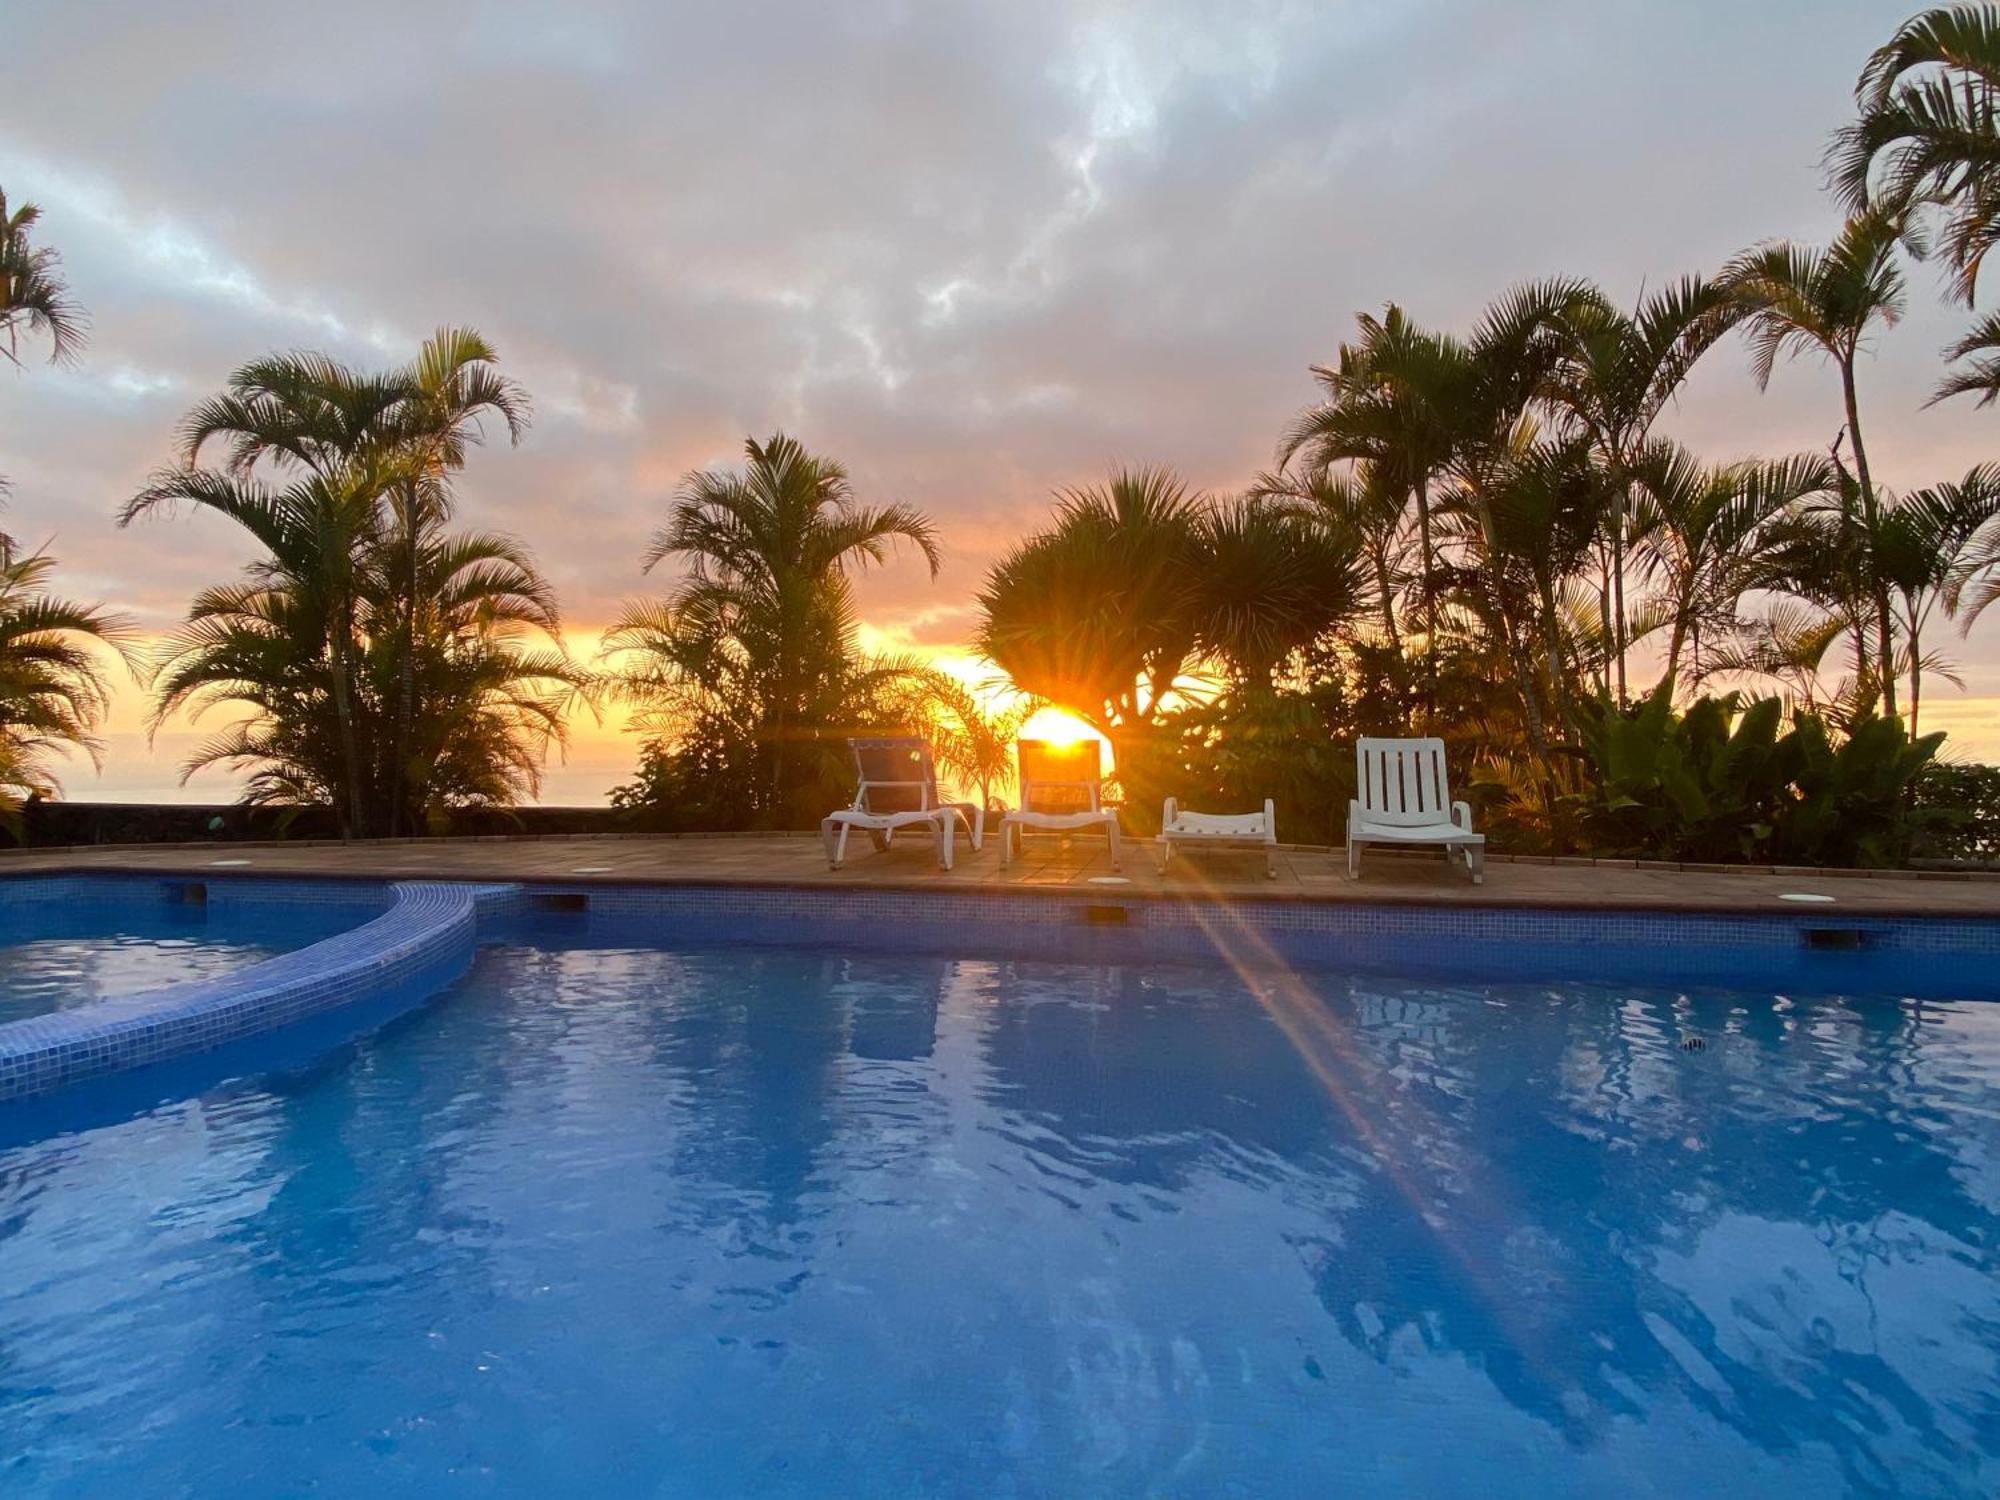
pixel 1916 664
pixel 1618 502
pixel 350 752
pixel 406 685
pixel 1885 649
pixel 1423 494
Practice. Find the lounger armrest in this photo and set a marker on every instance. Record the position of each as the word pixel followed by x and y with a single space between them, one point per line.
pixel 1270 821
pixel 1461 814
pixel 1170 812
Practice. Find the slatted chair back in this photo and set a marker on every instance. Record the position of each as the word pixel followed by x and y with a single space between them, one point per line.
pixel 1402 783
pixel 1060 778
pixel 893 774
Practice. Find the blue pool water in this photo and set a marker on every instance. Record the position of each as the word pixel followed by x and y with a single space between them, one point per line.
pixel 55 956
pixel 630 1222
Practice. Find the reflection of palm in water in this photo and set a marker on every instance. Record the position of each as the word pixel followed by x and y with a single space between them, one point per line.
pixel 1528 1182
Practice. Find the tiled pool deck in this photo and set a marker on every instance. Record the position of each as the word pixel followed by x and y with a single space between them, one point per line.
pixel 1312 875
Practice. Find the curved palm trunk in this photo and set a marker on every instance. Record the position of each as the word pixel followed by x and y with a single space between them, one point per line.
pixel 1676 642
pixel 1885 649
pixel 1388 600
pixel 1684 598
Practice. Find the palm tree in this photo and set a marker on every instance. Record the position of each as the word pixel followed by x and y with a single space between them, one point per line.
pixel 1142 597
pixel 1940 547
pixel 972 742
pixel 347 609
pixel 1270 582
pixel 1980 377
pixel 34 298
pixel 1497 445
pixel 489 705
pixel 761 627
pixel 1787 643
pixel 53 692
pixel 317 535
pixel 1094 612
pixel 450 386
pixel 1698 527
pixel 1392 400
pixel 1820 555
pixel 1928 135
pixel 1366 508
pixel 1799 299
pixel 478 705
pixel 414 426
pixel 1615 374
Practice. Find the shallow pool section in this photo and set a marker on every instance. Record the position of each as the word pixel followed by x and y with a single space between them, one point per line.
pixel 55 956
pixel 630 1221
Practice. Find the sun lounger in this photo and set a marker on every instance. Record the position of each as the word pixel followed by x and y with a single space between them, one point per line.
pixel 1061 792
pixel 1404 798
pixel 1182 830
pixel 897 789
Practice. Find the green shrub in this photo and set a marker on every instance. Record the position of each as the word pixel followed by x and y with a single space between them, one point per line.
pixel 1956 811
pixel 1726 781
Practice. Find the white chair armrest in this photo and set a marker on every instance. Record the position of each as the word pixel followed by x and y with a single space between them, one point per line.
pixel 1461 814
pixel 1353 813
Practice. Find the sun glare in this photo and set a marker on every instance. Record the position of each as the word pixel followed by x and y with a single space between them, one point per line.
pixel 1058 726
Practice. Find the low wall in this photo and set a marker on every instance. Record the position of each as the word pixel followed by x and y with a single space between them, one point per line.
pixel 48 825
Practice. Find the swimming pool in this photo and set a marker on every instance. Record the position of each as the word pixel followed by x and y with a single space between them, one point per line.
pixel 608 1218
pixel 55 956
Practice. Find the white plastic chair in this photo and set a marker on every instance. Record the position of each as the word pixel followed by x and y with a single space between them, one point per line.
pixel 1062 790
pixel 1241 830
pixel 897 788
pixel 1404 797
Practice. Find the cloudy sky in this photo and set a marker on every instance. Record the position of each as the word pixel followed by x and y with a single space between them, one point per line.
pixel 977 252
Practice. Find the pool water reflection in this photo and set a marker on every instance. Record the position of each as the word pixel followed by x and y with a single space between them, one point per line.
pixel 615 1221
pixel 55 956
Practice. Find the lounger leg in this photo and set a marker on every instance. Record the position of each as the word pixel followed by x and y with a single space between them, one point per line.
pixel 978 829
pixel 1475 861
pixel 836 843
pixel 1353 858
pixel 944 828
pixel 1270 861
pixel 1117 855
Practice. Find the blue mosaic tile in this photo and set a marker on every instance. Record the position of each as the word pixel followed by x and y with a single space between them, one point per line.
pixel 420 942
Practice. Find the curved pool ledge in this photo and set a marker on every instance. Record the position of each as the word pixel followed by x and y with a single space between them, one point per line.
pixel 422 942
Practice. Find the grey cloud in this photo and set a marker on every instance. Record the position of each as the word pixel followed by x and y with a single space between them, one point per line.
pixel 976 251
